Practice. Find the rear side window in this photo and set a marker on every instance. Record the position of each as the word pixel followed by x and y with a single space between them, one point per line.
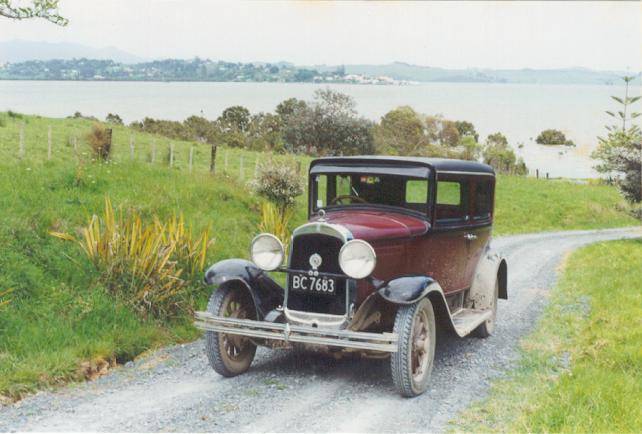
pixel 451 203
pixel 483 200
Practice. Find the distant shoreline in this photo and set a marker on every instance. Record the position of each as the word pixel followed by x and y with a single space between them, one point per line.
pixel 414 83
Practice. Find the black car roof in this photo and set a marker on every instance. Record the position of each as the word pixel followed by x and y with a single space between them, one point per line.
pixel 437 164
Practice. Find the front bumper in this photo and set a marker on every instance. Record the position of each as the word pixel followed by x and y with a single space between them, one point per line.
pixel 385 342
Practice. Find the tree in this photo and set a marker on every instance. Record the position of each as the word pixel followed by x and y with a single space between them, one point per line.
pixel 45 9
pixel 113 118
pixel 289 106
pixel 400 132
pixel 235 118
pixel 499 154
pixel 466 128
pixel 553 137
pixel 621 151
pixel 328 125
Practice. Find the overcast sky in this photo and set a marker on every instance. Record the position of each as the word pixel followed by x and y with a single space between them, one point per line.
pixel 458 35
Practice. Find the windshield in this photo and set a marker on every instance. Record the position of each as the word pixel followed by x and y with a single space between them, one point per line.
pixel 333 190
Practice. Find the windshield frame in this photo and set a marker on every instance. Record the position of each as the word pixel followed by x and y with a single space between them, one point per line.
pixel 405 172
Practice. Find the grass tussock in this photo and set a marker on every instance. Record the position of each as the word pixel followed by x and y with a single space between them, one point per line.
pixel 143 263
pixel 581 370
pixel 276 222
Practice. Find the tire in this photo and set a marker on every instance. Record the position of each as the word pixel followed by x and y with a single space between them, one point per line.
pixel 411 366
pixel 487 328
pixel 230 355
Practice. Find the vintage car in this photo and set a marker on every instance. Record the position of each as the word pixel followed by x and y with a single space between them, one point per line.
pixel 394 247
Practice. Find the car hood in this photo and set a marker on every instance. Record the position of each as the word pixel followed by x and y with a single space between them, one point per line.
pixel 377 225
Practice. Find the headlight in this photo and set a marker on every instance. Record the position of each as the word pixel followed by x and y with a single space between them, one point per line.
pixel 267 252
pixel 357 259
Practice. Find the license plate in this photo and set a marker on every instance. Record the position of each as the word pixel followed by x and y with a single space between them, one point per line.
pixel 317 284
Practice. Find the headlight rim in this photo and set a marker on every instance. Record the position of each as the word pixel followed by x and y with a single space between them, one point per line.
pixel 281 248
pixel 370 248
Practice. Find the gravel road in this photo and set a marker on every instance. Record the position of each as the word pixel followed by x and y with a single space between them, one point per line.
pixel 174 389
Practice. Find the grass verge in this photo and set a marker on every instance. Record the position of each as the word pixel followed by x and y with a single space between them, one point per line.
pixel 581 370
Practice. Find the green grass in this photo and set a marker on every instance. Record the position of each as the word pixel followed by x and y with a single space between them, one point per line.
pixel 60 316
pixel 581 370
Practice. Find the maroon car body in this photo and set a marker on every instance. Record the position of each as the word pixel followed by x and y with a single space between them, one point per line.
pixel 418 228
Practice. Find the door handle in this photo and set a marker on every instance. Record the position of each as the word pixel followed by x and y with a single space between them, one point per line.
pixel 470 237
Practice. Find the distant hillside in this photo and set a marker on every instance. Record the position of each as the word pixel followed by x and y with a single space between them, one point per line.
pixel 19 51
pixel 407 72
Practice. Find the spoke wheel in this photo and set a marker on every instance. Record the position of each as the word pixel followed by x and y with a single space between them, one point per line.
pixel 487 328
pixel 230 355
pixel 411 365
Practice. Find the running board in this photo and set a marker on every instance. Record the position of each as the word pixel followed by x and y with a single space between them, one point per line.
pixel 466 320
pixel 386 342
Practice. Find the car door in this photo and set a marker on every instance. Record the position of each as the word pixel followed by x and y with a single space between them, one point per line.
pixel 481 198
pixel 448 254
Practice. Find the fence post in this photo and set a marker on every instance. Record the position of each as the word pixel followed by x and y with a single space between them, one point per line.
pixel 191 156
pixel 153 150
pixel 171 155
pixel 213 159
pixel 131 146
pixel 75 142
pixel 537 173
pixel 49 143
pixel 241 174
pixel 21 145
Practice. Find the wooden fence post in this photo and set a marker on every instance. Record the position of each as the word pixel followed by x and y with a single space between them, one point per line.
pixel 21 145
pixel 49 143
pixel 153 150
pixel 191 156
pixel 213 159
pixel 537 173
pixel 241 174
pixel 171 155
pixel 131 146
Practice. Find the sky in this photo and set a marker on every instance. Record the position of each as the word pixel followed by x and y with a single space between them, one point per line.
pixel 596 35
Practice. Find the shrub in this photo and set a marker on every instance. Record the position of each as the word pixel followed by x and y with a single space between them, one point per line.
pixel 553 137
pixel 279 183
pixel 143 263
pixel 14 115
pixel 99 139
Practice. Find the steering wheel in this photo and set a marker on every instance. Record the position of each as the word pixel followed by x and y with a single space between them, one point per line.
pixel 341 198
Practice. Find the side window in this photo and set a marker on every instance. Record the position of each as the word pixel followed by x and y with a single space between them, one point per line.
pixel 451 203
pixel 483 200
pixel 343 185
pixel 417 191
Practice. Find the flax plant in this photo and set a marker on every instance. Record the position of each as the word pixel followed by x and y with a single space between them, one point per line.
pixel 143 263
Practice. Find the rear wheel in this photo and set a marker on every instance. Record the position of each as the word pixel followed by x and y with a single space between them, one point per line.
pixel 412 364
pixel 487 328
pixel 230 355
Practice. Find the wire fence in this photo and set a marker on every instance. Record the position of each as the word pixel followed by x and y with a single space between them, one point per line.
pixel 38 144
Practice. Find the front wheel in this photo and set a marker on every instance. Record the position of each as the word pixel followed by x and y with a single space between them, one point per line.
pixel 230 355
pixel 411 365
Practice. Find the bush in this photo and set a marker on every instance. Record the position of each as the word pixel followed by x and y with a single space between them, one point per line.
pixel 279 183
pixel 99 139
pixel 141 263
pixel 553 137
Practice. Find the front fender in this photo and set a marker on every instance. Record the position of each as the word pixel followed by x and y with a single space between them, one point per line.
pixel 406 289
pixel 243 274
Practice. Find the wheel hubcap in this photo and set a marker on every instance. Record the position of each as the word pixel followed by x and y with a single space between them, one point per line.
pixel 234 345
